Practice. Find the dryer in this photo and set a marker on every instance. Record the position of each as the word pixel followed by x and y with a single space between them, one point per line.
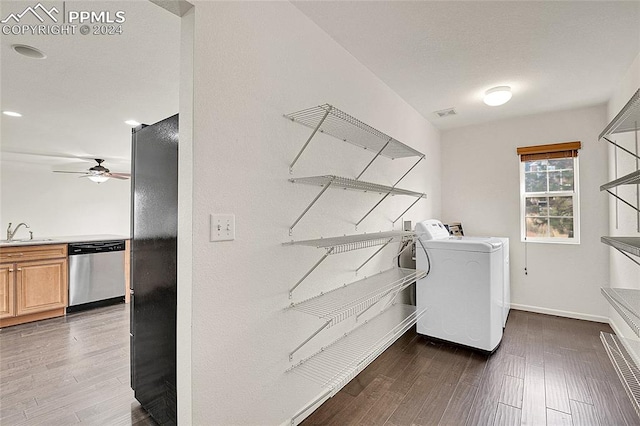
pixel 463 291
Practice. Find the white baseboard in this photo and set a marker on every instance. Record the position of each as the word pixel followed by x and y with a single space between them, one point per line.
pixel 559 313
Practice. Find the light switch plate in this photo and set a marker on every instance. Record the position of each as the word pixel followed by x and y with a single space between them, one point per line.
pixel 223 227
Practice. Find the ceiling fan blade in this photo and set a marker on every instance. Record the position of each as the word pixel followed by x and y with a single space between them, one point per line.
pixel 66 171
pixel 125 175
pixel 119 177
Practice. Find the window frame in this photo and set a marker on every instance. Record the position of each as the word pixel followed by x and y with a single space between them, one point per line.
pixel 575 194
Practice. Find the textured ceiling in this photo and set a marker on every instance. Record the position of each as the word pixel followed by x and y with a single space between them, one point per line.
pixel 75 101
pixel 442 54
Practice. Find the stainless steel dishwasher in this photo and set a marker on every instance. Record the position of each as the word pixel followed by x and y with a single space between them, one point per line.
pixel 96 272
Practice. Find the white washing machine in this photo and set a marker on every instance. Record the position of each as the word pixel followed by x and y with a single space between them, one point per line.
pixel 463 292
pixel 506 277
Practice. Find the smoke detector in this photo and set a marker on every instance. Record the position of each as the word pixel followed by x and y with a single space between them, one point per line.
pixel 445 112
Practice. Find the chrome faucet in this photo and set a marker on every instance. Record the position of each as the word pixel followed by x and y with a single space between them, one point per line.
pixel 11 234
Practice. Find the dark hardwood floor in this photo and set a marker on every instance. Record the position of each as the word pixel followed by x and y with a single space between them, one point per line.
pixel 69 370
pixel 547 371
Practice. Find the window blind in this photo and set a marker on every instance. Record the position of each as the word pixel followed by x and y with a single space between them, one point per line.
pixel 550 151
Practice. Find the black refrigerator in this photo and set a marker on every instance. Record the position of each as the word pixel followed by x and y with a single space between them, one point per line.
pixel 154 231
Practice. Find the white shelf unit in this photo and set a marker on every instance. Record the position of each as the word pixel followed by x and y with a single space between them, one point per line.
pixel 330 120
pixel 336 364
pixel 630 179
pixel 357 297
pixel 338 182
pixel 626 302
pixel 337 245
pixel 625 353
pixel 334 122
pixel 625 366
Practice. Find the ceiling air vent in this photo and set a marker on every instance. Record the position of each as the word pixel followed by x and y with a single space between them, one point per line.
pixel 445 112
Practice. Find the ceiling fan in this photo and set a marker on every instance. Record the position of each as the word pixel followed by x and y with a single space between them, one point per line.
pixel 99 173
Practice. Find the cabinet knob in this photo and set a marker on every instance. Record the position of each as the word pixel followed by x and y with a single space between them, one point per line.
pixel 19 269
pixel 10 270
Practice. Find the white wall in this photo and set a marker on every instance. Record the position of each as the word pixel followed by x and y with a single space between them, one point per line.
pixel 253 62
pixel 622 219
pixel 480 188
pixel 56 204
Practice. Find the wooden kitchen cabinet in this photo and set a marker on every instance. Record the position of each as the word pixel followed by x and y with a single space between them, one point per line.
pixel 33 283
pixel 7 305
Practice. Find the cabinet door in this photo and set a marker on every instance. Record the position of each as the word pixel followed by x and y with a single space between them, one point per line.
pixel 7 302
pixel 41 286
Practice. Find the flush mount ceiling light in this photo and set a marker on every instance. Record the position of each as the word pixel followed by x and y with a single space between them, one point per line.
pixel 12 113
pixel 497 96
pixel 132 123
pixel 28 51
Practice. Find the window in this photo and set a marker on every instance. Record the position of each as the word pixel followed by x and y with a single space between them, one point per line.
pixel 549 195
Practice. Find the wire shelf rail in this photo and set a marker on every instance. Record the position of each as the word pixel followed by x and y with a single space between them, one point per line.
pixel 353 242
pixel 625 367
pixel 624 245
pixel 630 179
pixel 627 119
pixel 330 120
pixel 627 303
pixel 338 182
pixel 337 245
pixel 336 364
pixel 352 299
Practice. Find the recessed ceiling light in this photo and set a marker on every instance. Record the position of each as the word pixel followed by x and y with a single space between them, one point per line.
pixel 497 96
pixel 132 123
pixel 12 113
pixel 28 51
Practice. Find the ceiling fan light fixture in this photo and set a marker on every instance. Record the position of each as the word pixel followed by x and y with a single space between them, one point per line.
pixel 99 178
pixel 497 96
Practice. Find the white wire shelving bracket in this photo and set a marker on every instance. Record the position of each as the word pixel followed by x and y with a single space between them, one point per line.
pixel 338 182
pixel 337 245
pixel 335 365
pixel 625 367
pixel 330 120
pixel 355 298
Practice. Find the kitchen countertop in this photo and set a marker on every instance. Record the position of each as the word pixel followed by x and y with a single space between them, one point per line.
pixel 63 240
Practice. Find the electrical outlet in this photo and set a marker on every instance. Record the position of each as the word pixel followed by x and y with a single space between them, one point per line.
pixel 223 227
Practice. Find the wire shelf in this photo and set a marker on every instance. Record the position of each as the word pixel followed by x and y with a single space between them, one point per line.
pixel 627 120
pixel 630 179
pixel 354 242
pixel 620 302
pixel 625 367
pixel 334 122
pixel 626 244
pixel 352 299
pixel 335 365
pixel 627 297
pixel 339 182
